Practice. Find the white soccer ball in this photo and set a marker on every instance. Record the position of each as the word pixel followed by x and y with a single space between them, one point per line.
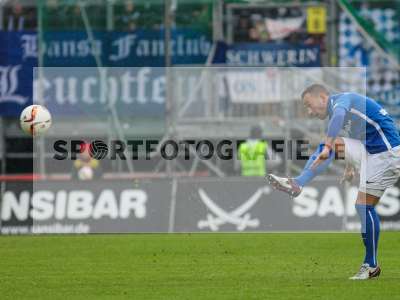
pixel 35 120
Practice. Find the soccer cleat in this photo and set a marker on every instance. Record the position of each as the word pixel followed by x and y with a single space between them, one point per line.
pixel 283 184
pixel 366 272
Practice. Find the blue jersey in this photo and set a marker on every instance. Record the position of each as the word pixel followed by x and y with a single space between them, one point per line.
pixel 366 121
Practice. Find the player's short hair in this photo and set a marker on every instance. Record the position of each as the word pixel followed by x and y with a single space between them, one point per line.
pixel 314 89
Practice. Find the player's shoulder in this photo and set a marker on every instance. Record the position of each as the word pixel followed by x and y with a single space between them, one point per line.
pixel 355 101
pixel 346 96
pixel 345 100
pixel 351 99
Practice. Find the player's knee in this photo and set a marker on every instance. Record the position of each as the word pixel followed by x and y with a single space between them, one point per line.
pixel 366 199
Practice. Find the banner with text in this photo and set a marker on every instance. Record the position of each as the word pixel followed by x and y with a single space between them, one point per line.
pixel 18 57
pixel 268 54
pixel 140 48
pixel 266 85
pixel 85 207
pixel 193 205
pixel 93 92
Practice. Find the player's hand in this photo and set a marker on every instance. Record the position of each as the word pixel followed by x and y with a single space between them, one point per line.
pixel 348 174
pixel 324 155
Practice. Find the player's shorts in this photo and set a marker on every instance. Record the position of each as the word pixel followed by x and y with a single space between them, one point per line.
pixel 378 171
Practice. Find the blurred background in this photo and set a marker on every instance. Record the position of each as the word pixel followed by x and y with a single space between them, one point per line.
pixel 200 69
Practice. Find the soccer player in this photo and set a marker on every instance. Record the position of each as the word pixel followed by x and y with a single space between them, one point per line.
pixel 372 147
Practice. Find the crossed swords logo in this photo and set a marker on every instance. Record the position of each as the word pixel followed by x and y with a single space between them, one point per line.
pixel 239 216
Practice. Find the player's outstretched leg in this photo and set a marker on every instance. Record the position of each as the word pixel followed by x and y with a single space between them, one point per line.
pixel 293 186
pixel 287 185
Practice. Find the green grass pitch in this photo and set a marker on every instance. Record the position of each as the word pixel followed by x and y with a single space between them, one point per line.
pixel 194 266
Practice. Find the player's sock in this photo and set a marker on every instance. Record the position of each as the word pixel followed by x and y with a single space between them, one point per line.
pixel 369 231
pixel 308 174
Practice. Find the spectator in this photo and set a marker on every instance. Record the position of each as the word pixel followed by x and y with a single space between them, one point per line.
pixel 52 11
pixel 253 154
pixel 86 167
pixel 201 18
pixel 30 18
pixel 14 17
pixel 76 13
pixel 259 32
pixel 129 17
pixel 76 21
pixel 242 33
